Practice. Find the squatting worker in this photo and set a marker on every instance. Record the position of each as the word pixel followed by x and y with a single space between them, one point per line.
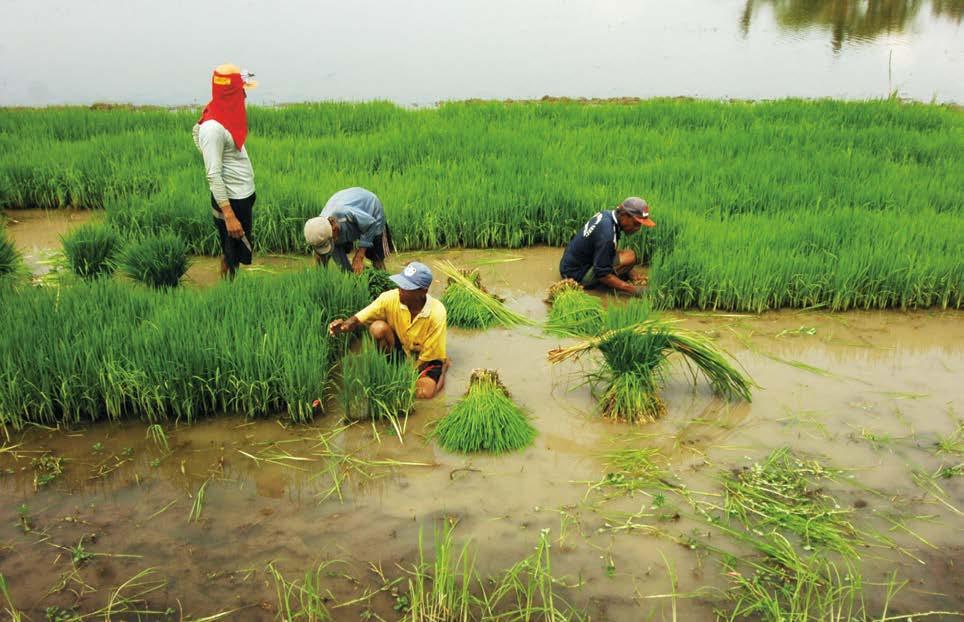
pixel 351 215
pixel 407 320
pixel 219 134
pixel 593 257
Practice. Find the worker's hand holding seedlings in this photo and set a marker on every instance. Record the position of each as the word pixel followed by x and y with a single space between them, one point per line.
pixel 340 327
pixel 593 258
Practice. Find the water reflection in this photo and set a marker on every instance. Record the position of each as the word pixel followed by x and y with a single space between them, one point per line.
pixel 851 20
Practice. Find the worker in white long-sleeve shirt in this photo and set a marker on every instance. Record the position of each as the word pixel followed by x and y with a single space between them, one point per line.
pixel 219 134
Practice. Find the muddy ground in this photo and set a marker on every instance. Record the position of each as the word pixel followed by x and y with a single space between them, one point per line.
pixel 868 392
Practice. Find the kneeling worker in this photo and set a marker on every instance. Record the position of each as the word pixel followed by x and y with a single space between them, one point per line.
pixel 592 257
pixel 408 320
pixel 351 215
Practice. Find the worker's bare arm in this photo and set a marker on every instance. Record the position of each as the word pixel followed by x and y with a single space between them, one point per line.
pixel 616 283
pixel 358 261
pixel 339 327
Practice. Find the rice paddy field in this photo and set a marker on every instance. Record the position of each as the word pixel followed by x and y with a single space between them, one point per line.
pixel 175 448
pixel 761 205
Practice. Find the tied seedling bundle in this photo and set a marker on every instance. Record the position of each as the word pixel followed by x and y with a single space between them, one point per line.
pixel 573 311
pixel 91 249
pixel 486 419
pixel 636 348
pixel 378 387
pixel 469 305
pixel 158 261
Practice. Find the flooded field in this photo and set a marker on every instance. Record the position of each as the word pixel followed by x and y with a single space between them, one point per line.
pixel 203 510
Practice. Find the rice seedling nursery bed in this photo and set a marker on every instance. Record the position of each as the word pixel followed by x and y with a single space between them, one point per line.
pixel 760 205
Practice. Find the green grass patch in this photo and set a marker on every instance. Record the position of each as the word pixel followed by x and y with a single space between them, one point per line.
pixel 9 257
pixel 486 419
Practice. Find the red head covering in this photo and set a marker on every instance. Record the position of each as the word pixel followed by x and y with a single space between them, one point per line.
pixel 227 106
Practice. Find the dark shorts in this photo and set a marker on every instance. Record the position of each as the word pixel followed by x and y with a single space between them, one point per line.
pixel 235 251
pixel 429 369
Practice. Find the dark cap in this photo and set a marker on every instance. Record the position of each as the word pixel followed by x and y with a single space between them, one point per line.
pixel 637 208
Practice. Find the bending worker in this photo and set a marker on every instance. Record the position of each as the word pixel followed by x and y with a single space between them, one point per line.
pixel 407 321
pixel 219 135
pixel 351 215
pixel 593 258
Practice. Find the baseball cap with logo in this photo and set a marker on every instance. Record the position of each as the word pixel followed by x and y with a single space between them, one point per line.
pixel 638 209
pixel 415 275
pixel 318 234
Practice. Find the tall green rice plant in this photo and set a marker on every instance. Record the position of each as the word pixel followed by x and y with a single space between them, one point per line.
pixel 486 419
pixel 377 281
pixel 379 387
pixel 9 257
pixel 91 250
pixel 158 261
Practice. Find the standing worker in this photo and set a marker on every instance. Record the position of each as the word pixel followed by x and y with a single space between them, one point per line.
pixel 351 215
pixel 408 321
pixel 593 258
pixel 219 135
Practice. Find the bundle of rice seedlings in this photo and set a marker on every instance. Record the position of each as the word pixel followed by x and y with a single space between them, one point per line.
pixel 634 366
pixel 9 258
pixel 158 261
pixel 573 311
pixel 378 387
pixel 90 250
pixel 486 419
pixel 469 305
pixel 377 281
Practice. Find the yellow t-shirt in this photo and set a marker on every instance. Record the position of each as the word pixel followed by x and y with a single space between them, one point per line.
pixel 424 335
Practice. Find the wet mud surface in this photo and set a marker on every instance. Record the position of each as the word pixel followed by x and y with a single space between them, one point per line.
pixel 867 392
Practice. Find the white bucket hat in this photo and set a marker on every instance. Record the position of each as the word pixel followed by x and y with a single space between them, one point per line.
pixel 318 234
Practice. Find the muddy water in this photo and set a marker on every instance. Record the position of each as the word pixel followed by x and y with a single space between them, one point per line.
pixel 36 233
pixel 866 392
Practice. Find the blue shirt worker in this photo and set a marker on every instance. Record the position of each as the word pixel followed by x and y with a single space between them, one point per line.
pixel 593 257
pixel 351 215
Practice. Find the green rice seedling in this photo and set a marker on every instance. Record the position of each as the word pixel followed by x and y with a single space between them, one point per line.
pixel 15 614
pixel 9 257
pixel 469 305
pixel 158 261
pixel 573 312
pixel 378 282
pixel 786 492
pixel 527 591
pixel 378 386
pixel 304 600
pixel 91 250
pixel 156 433
pixel 953 443
pixel 440 589
pixel 486 419
pixel 198 506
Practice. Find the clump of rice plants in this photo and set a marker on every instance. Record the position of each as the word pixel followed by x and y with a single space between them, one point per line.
pixel 9 258
pixel 377 281
pixel 573 311
pixel 634 365
pixel 469 305
pixel 158 261
pixel 91 249
pixel 486 419
pixel 378 387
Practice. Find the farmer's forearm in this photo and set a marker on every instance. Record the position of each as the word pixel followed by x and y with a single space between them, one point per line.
pixel 613 281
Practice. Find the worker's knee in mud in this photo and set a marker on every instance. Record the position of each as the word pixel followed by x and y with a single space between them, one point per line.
pixel 425 389
pixel 627 257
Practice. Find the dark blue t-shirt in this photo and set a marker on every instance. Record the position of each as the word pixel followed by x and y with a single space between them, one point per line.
pixel 593 247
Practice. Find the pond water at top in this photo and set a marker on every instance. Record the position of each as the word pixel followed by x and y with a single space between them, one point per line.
pixel 421 52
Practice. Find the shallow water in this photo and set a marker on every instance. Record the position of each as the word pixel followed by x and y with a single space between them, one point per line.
pixel 880 389
pixel 428 51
